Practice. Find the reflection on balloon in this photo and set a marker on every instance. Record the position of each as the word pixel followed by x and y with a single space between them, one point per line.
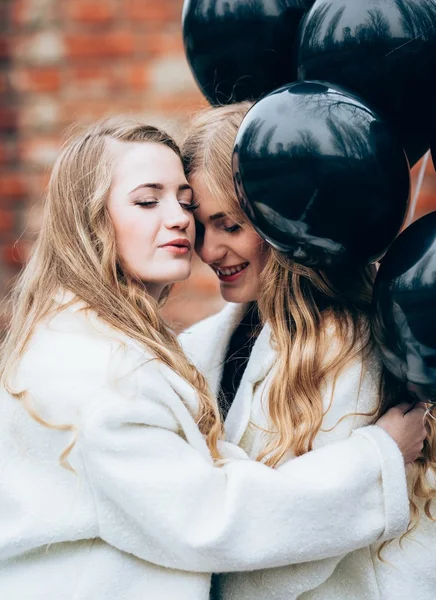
pixel 240 50
pixel 321 176
pixel 383 51
pixel 404 307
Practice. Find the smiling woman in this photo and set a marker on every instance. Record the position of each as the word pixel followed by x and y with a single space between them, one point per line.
pixel 232 249
pixel 300 382
pixel 109 436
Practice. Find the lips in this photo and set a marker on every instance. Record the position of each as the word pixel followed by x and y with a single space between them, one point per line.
pixel 231 273
pixel 226 271
pixel 177 247
pixel 178 243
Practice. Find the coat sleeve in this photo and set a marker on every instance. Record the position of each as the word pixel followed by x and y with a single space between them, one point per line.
pixel 160 498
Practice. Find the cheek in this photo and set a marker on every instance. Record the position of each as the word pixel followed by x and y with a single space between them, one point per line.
pixel 132 232
pixel 255 249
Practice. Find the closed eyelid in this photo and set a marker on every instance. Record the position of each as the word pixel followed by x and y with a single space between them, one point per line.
pixel 146 199
pixel 225 223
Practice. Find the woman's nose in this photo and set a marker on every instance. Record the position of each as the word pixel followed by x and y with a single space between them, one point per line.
pixel 208 248
pixel 178 218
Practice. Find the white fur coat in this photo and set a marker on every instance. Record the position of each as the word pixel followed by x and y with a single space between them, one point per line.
pixel 144 513
pixel 409 573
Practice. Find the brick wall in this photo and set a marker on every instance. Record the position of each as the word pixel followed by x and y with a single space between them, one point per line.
pixel 75 60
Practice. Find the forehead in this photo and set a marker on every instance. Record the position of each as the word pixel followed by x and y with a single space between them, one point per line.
pixel 146 162
pixel 211 201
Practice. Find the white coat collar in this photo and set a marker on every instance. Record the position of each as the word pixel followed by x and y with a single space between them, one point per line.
pixel 206 342
pixel 71 303
pixel 261 360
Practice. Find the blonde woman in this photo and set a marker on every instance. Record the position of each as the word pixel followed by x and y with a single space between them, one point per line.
pixel 109 436
pixel 307 380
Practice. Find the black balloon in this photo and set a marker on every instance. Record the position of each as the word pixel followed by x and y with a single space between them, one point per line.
pixel 321 176
pixel 383 50
pixel 240 49
pixel 405 307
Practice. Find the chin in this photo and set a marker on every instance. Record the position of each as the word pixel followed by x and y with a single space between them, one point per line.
pixel 235 295
pixel 179 274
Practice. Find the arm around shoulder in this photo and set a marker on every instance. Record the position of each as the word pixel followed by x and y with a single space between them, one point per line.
pixel 159 496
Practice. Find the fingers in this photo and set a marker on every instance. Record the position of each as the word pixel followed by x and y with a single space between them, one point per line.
pixel 407 408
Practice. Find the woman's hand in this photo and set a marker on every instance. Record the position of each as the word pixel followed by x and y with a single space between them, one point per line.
pixel 406 427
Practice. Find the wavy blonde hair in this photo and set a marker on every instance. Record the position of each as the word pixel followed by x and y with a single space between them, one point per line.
pixel 301 305
pixel 207 149
pixel 76 250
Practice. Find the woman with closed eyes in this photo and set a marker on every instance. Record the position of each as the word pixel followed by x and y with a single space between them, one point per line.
pixel 112 479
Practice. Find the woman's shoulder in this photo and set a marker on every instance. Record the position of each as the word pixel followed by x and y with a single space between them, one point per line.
pixel 230 314
pixel 216 329
pixel 75 362
pixel 72 344
pixel 74 329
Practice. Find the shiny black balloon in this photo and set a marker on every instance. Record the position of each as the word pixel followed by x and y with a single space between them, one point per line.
pixel 405 307
pixel 241 49
pixel 383 50
pixel 321 176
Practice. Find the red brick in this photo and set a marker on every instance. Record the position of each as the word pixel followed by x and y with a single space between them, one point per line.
pixel 4 155
pixel 12 184
pixel 7 204
pixel 41 114
pixel 87 112
pixel 137 77
pixel 18 13
pixel 8 119
pixel 8 153
pixel 4 83
pixel 4 15
pixel 100 45
pixel 178 104
pixel 4 47
pixel 153 10
pixel 90 11
pixel 39 80
pixel 7 221
pixel 40 152
pixel 39 182
pixel 13 254
pixel 42 47
pixel 32 12
pixel 158 43
pixel 93 81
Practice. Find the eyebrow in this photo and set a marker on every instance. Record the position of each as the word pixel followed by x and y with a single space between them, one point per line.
pixel 159 186
pixel 216 216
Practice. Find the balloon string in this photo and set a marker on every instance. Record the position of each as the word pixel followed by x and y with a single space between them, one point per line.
pixel 417 189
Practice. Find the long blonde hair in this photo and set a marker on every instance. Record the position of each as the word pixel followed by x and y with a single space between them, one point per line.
pixel 76 250
pixel 207 149
pixel 300 304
